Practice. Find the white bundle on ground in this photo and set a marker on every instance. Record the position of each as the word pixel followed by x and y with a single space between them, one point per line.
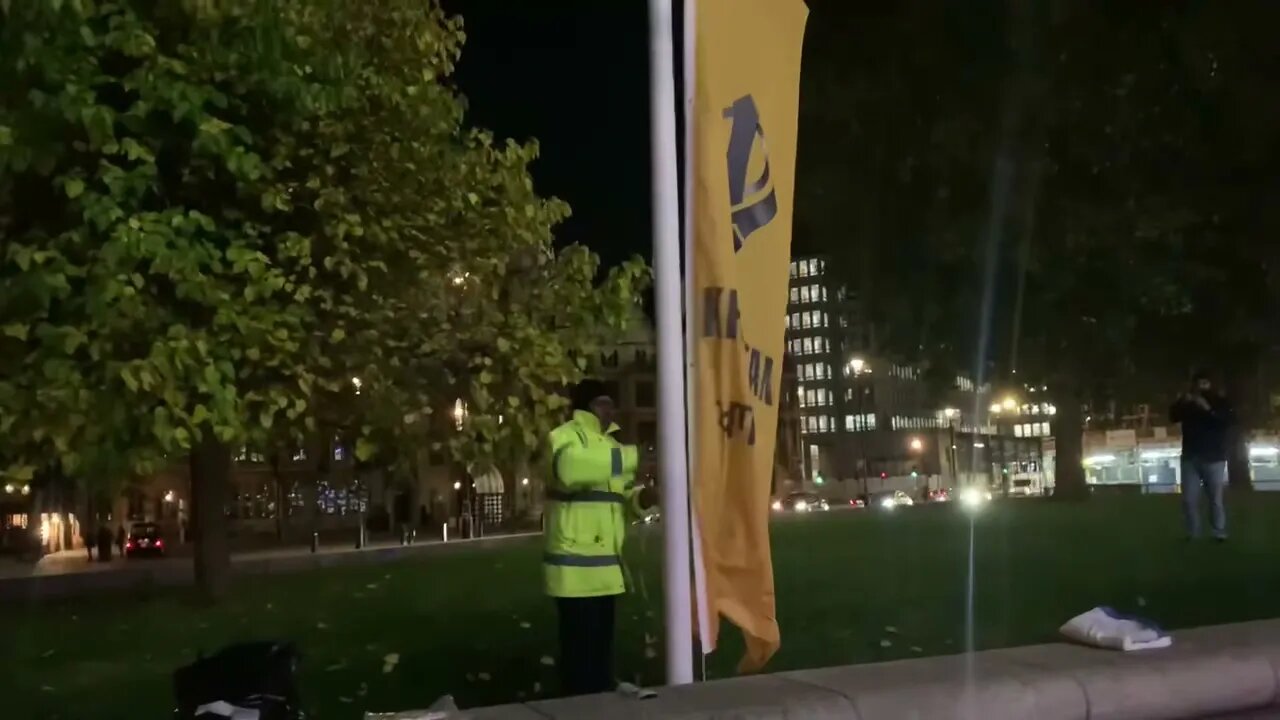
pixel 1105 628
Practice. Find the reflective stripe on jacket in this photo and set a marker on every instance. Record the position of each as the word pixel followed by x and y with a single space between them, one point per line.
pixel 591 496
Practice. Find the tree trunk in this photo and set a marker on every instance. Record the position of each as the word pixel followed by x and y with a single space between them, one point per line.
pixel 1068 431
pixel 210 476
pixel 1239 387
pixel 277 473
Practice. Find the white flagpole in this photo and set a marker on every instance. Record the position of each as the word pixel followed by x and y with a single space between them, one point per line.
pixel 673 459
pixel 690 302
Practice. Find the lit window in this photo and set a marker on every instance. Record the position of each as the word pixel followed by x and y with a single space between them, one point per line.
pixel 793 268
pixel 804 294
pixel 1044 429
pixel 807 345
pixel 813 267
pixel 1017 430
pixel 810 396
pixel 822 396
pixel 824 293
pixel 824 319
pixel 824 424
pixel 787 321
pixel 795 320
pixel 795 294
pixel 806 320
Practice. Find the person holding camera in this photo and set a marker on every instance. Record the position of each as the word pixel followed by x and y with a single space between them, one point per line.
pixel 1207 418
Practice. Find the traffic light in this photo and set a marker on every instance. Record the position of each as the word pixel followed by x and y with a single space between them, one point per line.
pixel 884 476
pixel 817 480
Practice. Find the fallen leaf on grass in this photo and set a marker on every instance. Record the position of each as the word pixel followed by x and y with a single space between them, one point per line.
pixel 471 678
pixel 1142 602
pixel 537 688
pixel 886 643
pixel 890 629
pixel 364 690
pixel 46 688
pixel 649 639
pixel 526 625
pixel 548 661
pixel 484 677
pixel 46 653
pixel 650 653
pixel 917 649
pixel 372 586
pixel 321 626
pixel 389 662
pixel 345 699
pixel 336 666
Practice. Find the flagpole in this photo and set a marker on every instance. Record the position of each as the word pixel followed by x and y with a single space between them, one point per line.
pixel 673 460
pixel 689 71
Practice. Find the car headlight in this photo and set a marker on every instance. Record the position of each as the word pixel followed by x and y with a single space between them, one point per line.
pixel 888 503
pixel 801 506
pixel 973 497
pixel 777 505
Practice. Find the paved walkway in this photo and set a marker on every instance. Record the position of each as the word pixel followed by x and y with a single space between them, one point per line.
pixel 70 573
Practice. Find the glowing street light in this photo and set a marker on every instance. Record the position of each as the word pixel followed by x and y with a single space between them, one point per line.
pixel 996 408
pixel 357 384
pixel 459 413
pixel 916 444
pixel 1009 404
pixel 950 413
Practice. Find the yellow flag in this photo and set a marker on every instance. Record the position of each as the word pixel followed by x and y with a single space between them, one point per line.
pixel 747 87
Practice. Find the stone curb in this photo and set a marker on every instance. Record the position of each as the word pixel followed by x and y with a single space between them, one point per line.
pixel 1209 671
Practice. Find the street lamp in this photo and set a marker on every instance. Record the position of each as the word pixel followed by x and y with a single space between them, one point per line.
pixel 916 444
pixel 1009 404
pixel 357 384
pixel 459 413
pixel 857 366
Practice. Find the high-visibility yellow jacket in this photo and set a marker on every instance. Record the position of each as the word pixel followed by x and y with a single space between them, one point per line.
pixel 590 499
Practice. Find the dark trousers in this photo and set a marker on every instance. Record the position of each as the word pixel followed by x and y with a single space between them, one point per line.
pixel 586 644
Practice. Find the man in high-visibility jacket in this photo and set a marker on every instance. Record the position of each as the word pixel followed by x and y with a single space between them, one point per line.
pixel 592 497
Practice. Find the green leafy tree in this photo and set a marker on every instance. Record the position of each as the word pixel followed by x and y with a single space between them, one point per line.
pixel 215 214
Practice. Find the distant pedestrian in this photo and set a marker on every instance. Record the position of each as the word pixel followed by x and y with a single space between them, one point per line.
pixel 120 539
pixel 1207 419
pixel 86 536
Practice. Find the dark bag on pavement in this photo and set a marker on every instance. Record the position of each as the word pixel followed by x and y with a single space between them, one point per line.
pixel 242 678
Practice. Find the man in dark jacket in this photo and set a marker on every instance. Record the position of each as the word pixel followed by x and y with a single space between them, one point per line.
pixel 1207 420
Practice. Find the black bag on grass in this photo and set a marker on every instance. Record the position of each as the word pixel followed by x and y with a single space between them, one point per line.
pixel 260 676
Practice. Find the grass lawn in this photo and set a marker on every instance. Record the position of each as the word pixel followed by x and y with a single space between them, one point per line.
pixel 474 624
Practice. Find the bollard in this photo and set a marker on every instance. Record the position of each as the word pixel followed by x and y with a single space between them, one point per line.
pixel 360 537
pixel 413 536
pixel 404 535
pixel 444 532
pixel 315 542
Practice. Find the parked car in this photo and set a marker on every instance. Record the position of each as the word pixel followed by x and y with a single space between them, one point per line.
pixel 891 499
pixel 939 495
pixel 801 502
pixel 144 539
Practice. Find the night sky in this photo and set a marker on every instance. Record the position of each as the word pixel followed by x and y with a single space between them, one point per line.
pixel 574 75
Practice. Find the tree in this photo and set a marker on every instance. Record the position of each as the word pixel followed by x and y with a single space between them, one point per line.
pixel 215 214
pixel 1028 183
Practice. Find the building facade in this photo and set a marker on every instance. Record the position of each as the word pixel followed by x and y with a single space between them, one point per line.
pixel 865 417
